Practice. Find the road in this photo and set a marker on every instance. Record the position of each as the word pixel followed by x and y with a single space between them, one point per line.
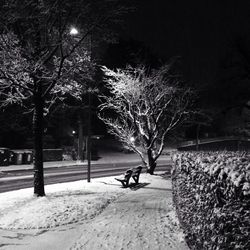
pixel 18 179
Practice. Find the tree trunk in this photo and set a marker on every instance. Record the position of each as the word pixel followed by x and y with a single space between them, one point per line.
pixel 151 162
pixel 38 145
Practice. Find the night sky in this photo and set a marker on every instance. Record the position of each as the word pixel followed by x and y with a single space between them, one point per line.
pixel 201 32
pixel 198 31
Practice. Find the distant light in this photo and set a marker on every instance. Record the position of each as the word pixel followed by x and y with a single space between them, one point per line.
pixel 73 132
pixel 73 31
pixel 132 139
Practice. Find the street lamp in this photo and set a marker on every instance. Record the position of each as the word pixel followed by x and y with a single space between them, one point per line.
pixel 73 31
pixel 132 139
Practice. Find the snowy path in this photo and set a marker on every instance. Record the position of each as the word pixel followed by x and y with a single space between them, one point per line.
pixel 142 219
pixel 102 214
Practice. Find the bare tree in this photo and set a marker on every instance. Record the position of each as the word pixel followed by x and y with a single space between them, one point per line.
pixel 42 55
pixel 144 107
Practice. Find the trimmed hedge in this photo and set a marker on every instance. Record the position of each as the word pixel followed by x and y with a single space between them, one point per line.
pixel 211 192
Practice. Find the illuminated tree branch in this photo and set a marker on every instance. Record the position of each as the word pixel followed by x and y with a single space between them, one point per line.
pixel 146 106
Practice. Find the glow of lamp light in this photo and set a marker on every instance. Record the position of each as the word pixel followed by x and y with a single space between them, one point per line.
pixel 73 31
pixel 132 139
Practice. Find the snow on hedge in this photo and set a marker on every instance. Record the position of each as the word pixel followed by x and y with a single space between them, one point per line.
pixel 212 197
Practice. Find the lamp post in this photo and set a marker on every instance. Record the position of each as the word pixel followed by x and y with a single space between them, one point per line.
pixel 80 141
pixel 73 32
pixel 88 142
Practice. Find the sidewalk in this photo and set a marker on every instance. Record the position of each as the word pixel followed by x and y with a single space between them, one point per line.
pixel 110 157
pixel 137 219
pixel 140 220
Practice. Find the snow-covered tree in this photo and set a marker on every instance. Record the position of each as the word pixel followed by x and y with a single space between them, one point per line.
pixel 144 107
pixel 43 57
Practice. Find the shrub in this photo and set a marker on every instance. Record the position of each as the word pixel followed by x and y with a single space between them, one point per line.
pixel 52 154
pixel 211 193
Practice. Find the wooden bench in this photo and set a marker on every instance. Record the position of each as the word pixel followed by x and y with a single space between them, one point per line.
pixel 126 177
pixel 136 174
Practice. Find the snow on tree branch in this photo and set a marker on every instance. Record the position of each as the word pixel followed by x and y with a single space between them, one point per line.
pixel 144 104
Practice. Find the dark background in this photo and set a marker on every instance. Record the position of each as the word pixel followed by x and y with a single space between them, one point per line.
pixel 199 31
pixel 212 39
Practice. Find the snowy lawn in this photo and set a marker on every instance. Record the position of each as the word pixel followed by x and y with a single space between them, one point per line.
pixel 64 203
pixel 92 216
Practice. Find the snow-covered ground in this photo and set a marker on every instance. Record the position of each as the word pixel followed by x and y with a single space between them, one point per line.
pixel 96 215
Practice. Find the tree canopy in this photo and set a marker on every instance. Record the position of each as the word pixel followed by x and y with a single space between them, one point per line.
pixel 144 107
pixel 42 60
